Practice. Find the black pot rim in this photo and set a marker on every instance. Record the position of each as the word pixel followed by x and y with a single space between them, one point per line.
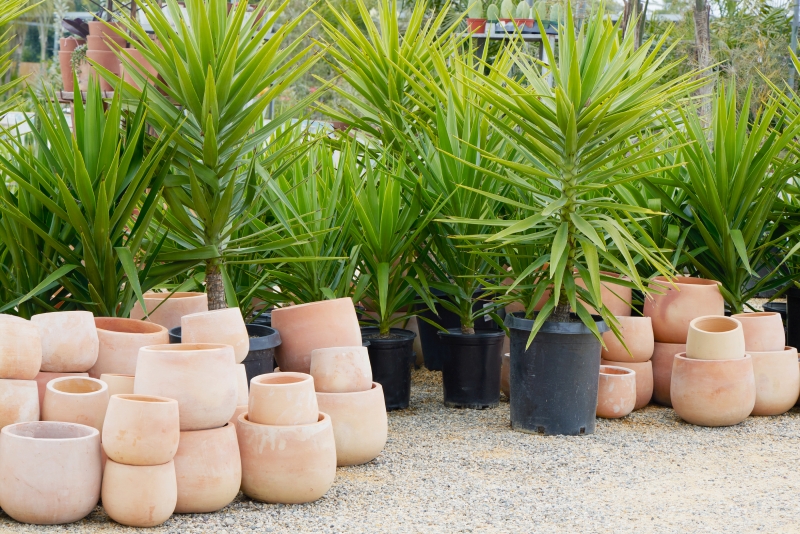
pixel 517 321
pixel 268 337
pixel 407 335
pixel 454 335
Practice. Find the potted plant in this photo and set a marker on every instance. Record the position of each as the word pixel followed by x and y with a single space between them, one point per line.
pixel 492 17
pixel 522 16
pixel 476 22
pixel 507 10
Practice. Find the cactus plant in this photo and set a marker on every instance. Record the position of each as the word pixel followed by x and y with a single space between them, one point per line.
pixel 539 9
pixel 492 13
pixel 507 9
pixel 523 11
pixel 555 13
pixel 475 10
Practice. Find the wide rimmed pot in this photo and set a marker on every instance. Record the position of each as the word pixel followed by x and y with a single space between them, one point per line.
pixel 662 360
pixel 360 424
pixel 616 392
pixel 120 341
pixel 283 399
pixel 777 381
pixel 141 429
pixel 208 469
pixel 505 375
pixel 19 402
pixel 763 331
pixel 20 348
pixel 167 309
pixel 109 61
pixel 615 297
pixel 637 332
pixel 69 341
pixel 715 338
pixel 201 377
pixel 139 495
pixel 341 369
pixel 471 368
pixel 43 378
pixel 315 325
pixel 49 471
pixel 287 464
pixel 224 326
pixel 391 359
pixel 80 400
pixel 681 300
pixel 713 392
pixel 118 384
pixel 644 380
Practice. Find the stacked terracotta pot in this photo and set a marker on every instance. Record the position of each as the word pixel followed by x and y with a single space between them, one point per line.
pixel 166 309
pixel 637 334
pixel 20 360
pixel 67 46
pixel 101 46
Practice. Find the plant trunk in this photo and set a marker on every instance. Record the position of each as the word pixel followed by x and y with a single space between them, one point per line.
pixel 702 36
pixel 467 330
pixel 214 286
pixel 561 313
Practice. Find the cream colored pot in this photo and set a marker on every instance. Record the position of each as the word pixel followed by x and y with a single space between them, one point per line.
pixel 76 400
pixel 120 341
pixel 69 341
pixel 341 369
pixel 20 348
pixel 141 429
pixel 217 326
pixel 283 399
pixel 167 312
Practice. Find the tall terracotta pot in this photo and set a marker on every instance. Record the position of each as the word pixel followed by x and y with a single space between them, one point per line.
pixel 638 335
pixel 663 358
pixel 20 348
pixel 76 400
pixel 341 369
pixel 777 381
pixel 141 429
pixel 43 378
pixel 644 380
pixel 120 341
pixel 686 299
pixel 617 298
pixel 65 65
pixel 283 399
pixel 139 495
pixel 715 338
pixel 616 392
pixel 69 341
pixel 763 331
pixel 19 402
pixel 168 311
pixel 224 326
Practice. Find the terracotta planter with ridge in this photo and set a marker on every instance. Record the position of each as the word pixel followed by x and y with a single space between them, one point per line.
pixel 120 341
pixel 763 331
pixel 19 402
pixel 139 495
pixel 76 400
pixel 777 381
pixel 644 380
pixel 224 326
pixel 662 360
pixel 141 429
pixel 679 302
pixel 616 393
pixel 118 384
pixel 69 341
pixel 715 338
pixel 168 311
pixel 638 335
pixel 341 369
pixel 283 399
pixel 20 348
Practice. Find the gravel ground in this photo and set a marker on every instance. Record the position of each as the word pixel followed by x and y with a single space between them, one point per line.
pixel 449 470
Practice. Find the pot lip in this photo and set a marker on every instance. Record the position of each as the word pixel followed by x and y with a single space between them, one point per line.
pixel 138 398
pixel 156 328
pixel 82 313
pixel 303 379
pixel 516 321
pixel 682 356
pixel 212 313
pixel 323 420
pixel 270 339
pixel 766 353
pixel 683 281
pixel 693 324
pixel 674 344
pixel 177 295
pixel 103 386
pixel 117 375
pixel 625 370
pixel 756 315
pixel 455 333
pixel 307 304
pixel 91 432
pixel 407 335
pixel 345 348
pixel 373 390
pixel 179 348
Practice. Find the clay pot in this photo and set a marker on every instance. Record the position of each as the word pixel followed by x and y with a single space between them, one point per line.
pixel 96 42
pixel 201 377
pixel 763 331
pixel 663 357
pixel 168 311
pixel 76 400
pixel 674 309
pixel 638 335
pixel 713 392
pixel 68 44
pixel 120 341
pixel 287 464
pixel 127 67
pixel 616 298
pixel 715 338
pixel 109 61
pixel 69 341
pixel 283 399
pixel 341 369
pixel 644 380
pixel 20 348
pixel 209 470
pixel 239 411
pixel 242 393
pixel 316 325
pixel 42 379
pixel 101 29
pixel 616 395
pixel 19 402
pixel 139 495
pixel 360 426
pixel 777 381
pixel 49 472
pixel 141 429
pixel 224 326
pixel 118 384
pixel 505 375
pixel 65 64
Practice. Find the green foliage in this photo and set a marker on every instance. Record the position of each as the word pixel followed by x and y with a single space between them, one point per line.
pixel 476 10
pixel 492 13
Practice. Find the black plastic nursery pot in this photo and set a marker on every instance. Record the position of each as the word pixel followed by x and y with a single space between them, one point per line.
pixel 555 379
pixel 471 368
pixel 793 317
pixel 391 360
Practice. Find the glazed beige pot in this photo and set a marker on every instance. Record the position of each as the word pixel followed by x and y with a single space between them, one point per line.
pixel 141 429
pixel 505 375
pixel 139 495
pixel 242 393
pixel 168 311
pixel 118 384
pixel 715 338
pixel 616 298
pixel 19 402
pixel 302 470
pixel 644 380
pixel 638 335
pixel 685 299
pixel 49 472
pixel 201 377
pixel 341 369
pixel 663 358
pixel 20 348
pixel 80 400
pixel 43 378
pixel 713 392
pixel 616 394
pixel 69 341
pixel 224 326
pixel 209 470
pixel 777 381
pixel 120 341
pixel 360 425
pixel 283 399
pixel 763 331
pixel 316 325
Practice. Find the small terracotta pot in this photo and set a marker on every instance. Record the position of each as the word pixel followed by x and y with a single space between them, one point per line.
pixel 139 495
pixel 69 341
pixel 76 400
pixel 674 309
pixel 505 375
pixel 316 325
pixel 49 472
pixel 638 335
pixel 341 369
pixel 43 378
pixel 283 399
pixel 763 331
pixel 644 380
pixel 68 44
pixel 19 402
pixel 242 393
pixel 209 470
pixel 616 394
pixel 109 61
pixel 224 326
pixel 201 377
pixel 777 381
pixel 120 341
pixel 615 297
pixel 715 338
pixel 663 357
pixel 713 392
pixel 360 425
pixel 168 311
pixel 302 470
pixel 141 429
pixel 128 66
pixel 65 64
pixel 118 384
pixel 20 348
pixel 476 25
pixel 239 411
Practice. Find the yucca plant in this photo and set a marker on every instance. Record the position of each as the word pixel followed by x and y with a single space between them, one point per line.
pixel 9 10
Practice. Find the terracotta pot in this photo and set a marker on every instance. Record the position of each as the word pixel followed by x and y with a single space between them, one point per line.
pixel 283 399
pixel 777 381
pixel 242 393
pixel 69 341
pixel 476 25
pixel 674 309
pixel 616 394
pixel 141 429
pixel 505 375
pixel 341 369
pixel 19 402
pixel 316 325
pixel 96 42
pixel 224 326
pixel 360 425
pixel 20 348
pixel 715 338
pixel 644 380
pixel 615 297
pixel 101 29
pixel 239 411
pixel 68 44
pixel 76 400
pixel 638 335
pixel 43 378
pixel 127 67
pixel 65 64
pixel 201 377
pixel 139 495
pixel 302 470
pixel 120 341
pixel 49 472
pixel 763 331
pixel 209 470
pixel 663 357
pixel 168 311
pixel 109 61
pixel 713 392
pixel 118 384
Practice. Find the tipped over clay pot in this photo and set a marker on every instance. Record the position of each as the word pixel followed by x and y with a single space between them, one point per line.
pixel 139 495
pixel 777 381
pixel 69 341
pixel 763 331
pixel 19 402
pixel 341 369
pixel 76 400
pixel 638 335
pixel 120 341
pixel 167 310
pixel 680 301
pixel 283 399
pixel 141 429
pixel 224 326
pixel 616 394
pixel 715 338
pixel 20 348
